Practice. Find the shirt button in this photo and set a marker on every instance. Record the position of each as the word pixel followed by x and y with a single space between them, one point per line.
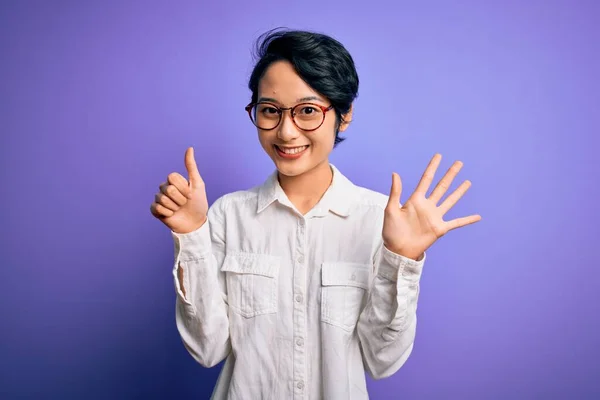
pixel 300 342
pixel 299 298
pixel 300 385
pixel 300 260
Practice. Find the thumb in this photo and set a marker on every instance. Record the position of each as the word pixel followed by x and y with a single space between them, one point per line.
pixel 192 168
pixel 395 191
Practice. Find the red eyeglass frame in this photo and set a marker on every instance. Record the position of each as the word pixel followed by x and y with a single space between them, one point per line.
pixel 324 109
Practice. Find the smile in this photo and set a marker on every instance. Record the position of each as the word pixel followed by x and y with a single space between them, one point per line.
pixel 290 152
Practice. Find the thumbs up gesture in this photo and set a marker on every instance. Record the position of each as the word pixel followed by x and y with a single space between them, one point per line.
pixel 181 204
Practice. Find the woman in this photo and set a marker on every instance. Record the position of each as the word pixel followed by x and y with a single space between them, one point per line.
pixel 307 281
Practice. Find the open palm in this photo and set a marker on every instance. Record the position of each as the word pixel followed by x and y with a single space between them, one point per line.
pixel 412 228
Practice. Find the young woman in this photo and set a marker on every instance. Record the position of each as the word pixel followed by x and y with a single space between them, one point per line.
pixel 307 281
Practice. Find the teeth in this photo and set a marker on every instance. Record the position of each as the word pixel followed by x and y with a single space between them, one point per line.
pixel 292 150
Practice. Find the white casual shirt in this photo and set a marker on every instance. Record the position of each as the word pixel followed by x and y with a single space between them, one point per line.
pixel 300 305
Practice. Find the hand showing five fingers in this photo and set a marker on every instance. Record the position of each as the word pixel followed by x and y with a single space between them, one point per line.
pixel 182 205
pixel 411 229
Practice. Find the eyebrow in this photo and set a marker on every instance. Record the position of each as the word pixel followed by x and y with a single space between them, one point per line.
pixel 272 100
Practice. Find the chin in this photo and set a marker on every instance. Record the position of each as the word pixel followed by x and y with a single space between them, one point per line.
pixel 297 167
pixel 292 168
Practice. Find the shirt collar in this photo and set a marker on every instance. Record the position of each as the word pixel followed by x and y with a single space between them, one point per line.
pixel 338 198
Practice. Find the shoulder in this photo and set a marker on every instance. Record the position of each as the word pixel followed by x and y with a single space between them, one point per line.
pixel 236 199
pixel 371 197
pixel 370 200
pixel 359 196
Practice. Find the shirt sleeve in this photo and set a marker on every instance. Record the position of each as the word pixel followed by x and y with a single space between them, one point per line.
pixel 387 325
pixel 202 313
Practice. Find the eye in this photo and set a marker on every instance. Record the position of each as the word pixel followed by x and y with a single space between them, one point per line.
pixel 268 110
pixel 307 110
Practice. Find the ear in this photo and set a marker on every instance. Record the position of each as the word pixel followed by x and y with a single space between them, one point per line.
pixel 346 119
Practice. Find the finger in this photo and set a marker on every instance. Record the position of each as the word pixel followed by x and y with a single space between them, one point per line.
pixel 180 183
pixel 444 183
pixel 192 168
pixel 395 191
pixel 160 211
pixel 166 202
pixel 173 193
pixel 464 221
pixel 428 175
pixel 453 198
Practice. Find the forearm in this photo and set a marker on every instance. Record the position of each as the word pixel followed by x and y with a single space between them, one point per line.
pixel 201 308
pixel 387 325
pixel 180 279
pixel 201 316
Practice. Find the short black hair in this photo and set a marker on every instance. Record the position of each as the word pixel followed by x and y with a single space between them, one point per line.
pixel 320 60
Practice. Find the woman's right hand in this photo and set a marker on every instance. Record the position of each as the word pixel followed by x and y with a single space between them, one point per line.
pixel 181 204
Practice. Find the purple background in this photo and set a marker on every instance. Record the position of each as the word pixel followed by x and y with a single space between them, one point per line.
pixel 100 100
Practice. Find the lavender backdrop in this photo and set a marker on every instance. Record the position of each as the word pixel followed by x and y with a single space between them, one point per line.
pixel 100 99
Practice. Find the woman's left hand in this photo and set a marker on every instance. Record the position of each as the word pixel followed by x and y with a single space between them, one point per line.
pixel 410 229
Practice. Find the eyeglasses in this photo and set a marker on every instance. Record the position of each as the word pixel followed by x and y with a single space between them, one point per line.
pixel 306 116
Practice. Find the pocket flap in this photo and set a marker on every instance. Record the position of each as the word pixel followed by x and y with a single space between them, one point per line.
pixel 345 274
pixel 250 263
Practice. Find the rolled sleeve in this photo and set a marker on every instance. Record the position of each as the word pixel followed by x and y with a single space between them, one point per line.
pixel 394 266
pixel 192 246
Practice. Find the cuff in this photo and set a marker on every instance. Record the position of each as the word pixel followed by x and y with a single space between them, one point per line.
pixel 194 245
pixel 393 266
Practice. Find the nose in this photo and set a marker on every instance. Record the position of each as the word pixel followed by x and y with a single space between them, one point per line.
pixel 287 130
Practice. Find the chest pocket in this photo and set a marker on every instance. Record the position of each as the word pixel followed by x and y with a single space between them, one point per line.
pixel 343 292
pixel 251 283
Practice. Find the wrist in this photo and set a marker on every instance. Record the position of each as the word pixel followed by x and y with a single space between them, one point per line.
pixel 413 255
pixel 192 228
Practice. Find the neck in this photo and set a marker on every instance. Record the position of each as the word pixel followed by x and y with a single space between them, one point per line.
pixel 305 190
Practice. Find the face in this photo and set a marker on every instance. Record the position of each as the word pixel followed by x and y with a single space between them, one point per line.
pixel 293 150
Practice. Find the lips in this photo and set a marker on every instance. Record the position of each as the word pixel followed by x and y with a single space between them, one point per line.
pixel 292 150
pixel 289 152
